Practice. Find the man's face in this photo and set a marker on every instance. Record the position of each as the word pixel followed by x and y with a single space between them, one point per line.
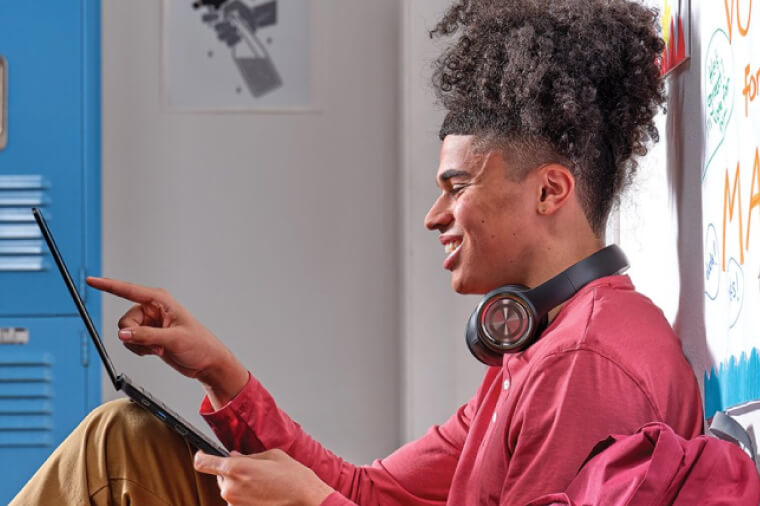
pixel 486 219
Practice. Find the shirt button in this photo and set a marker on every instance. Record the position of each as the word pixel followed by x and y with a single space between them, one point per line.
pixel 493 418
pixel 506 384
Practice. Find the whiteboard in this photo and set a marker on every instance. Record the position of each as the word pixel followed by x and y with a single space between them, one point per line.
pixel 731 199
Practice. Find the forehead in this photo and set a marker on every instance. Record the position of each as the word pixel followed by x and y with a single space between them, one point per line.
pixel 458 154
pixel 465 156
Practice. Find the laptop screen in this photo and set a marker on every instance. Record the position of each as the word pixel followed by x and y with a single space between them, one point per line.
pixel 74 293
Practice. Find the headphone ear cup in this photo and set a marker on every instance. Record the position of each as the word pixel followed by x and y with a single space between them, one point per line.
pixel 508 319
pixel 480 351
pixel 503 322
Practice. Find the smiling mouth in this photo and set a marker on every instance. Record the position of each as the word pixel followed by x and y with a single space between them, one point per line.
pixel 452 246
pixel 452 254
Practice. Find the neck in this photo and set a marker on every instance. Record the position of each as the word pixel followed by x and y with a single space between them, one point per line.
pixel 553 258
pixel 561 257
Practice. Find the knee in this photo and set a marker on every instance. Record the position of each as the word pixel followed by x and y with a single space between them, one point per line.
pixel 122 420
pixel 122 441
pixel 118 413
pixel 110 410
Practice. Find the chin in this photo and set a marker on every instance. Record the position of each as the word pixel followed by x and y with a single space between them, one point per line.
pixel 460 291
pixel 463 287
pixel 457 284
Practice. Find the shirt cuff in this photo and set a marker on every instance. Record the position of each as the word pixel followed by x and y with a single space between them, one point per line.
pixel 225 418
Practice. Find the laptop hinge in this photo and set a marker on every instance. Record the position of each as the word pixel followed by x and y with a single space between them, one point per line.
pixel 83 284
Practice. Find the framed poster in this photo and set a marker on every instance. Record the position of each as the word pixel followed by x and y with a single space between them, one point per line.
pixel 237 55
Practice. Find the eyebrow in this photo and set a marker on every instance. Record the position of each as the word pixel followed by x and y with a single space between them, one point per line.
pixel 452 173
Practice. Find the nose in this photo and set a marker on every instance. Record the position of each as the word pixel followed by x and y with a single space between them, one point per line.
pixel 439 217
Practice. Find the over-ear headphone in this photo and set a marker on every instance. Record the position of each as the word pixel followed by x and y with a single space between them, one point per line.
pixel 510 318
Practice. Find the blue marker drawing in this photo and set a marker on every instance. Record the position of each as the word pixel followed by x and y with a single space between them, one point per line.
pixel 733 382
pixel 712 263
pixel 735 279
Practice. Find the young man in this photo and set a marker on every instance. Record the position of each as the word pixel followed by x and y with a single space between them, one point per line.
pixel 547 103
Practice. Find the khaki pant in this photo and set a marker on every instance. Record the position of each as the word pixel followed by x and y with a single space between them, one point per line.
pixel 120 455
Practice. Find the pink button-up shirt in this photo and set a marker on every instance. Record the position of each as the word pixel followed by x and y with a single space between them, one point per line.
pixel 608 364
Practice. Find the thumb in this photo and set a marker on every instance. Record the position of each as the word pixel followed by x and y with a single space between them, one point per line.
pixel 209 464
pixel 147 336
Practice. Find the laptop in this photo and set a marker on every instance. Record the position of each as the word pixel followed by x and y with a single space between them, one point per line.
pixel 120 381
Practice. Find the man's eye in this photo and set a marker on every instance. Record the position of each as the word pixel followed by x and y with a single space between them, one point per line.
pixel 457 188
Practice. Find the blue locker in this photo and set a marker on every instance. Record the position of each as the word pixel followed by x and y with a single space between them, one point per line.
pixel 43 394
pixel 49 157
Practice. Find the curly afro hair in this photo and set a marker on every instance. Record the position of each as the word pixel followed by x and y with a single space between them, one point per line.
pixel 569 81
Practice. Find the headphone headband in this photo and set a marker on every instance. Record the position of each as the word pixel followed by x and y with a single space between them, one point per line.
pixel 605 262
pixel 509 318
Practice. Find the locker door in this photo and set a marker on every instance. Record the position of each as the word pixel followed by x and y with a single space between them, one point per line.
pixel 43 160
pixel 49 157
pixel 43 392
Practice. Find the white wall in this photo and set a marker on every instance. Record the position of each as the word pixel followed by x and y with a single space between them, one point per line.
pixel 439 372
pixel 276 231
pixel 661 219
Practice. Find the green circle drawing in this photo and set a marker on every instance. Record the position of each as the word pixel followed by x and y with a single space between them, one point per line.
pixel 718 94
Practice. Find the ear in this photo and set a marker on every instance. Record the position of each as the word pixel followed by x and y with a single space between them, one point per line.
pixel 556 186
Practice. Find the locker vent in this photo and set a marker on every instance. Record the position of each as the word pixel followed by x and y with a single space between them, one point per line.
pixel 26 400
pixel 20 239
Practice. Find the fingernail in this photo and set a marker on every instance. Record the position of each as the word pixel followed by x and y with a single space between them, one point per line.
pixel 126 334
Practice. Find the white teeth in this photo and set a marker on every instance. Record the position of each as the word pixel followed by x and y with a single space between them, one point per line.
pixel 451 246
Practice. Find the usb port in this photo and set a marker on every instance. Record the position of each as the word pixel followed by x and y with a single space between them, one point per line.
pixel 161 415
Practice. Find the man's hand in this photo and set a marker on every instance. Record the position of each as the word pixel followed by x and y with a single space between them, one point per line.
pixel 268 478
pixel 159 325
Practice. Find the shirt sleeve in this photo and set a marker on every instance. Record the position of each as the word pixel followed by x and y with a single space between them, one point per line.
pixel 573 400
pixel 419 473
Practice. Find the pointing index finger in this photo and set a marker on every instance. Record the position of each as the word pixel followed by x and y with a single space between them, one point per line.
pixel 130 291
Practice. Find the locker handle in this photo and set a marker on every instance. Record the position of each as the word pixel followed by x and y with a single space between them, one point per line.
pixel 3 102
